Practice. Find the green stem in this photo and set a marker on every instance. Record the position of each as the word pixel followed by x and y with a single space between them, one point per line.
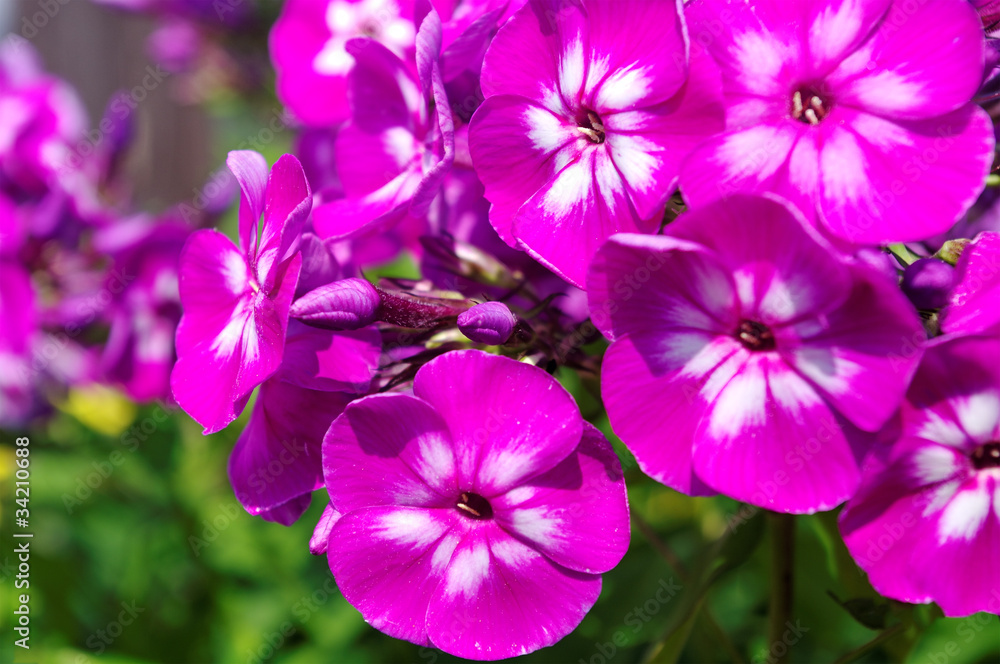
pixel 677 564
pixel 782 578
pixel 861 650
pixel 902 253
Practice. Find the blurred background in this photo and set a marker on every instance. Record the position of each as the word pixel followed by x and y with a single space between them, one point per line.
pixel 142 554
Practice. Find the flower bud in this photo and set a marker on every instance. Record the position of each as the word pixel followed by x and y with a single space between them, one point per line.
pixel 952 250
pixel 342 305
pixel 927 283
pixel 488 323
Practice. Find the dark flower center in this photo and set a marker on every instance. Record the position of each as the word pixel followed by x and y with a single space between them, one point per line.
pixel 986 456
pixel 809 105
pixel 755 336
pixel 591 126
pixel 474 506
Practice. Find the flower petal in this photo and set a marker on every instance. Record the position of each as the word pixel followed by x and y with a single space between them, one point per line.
pixel 566 221
pixel 863 355
pixel 388 562
pixel 673 373
pixel 896 182
pixel 509 421
pixel 896 75
pixel 286 210
pixel 250 169
pixel 501 598
pixel 509 128
pixel 770 440
pixel 389 449
pixel 643 282
pixel 277 457
pixel 576 513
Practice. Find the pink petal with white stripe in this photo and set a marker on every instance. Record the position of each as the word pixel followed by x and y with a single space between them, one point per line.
pixel 899 181
pixel 500 598
pixel 388 562
pixel 576 513
pixel 643 282
pixel 770 440
pixel 509 421
pixel 567 220
pixel 780 271
pixel 636 52
pixel 648 145
pixel 542 143
pixel 661 437
pixel 896 75
pixel 862 355
pixel 390 449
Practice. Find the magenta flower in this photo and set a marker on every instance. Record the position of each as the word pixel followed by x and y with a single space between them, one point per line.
pixel 747 359
pixel 928 510
pixel 596 103
pixel 309 49
pixel 972 304
pixel 400 143
pixel 476 515
pixel 858 112
pixel 17 344
pixel 145 309
pixel 236 300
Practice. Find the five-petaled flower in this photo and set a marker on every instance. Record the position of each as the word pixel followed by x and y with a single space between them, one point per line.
pixel 475 515
pixel 747 357
pixel 590 108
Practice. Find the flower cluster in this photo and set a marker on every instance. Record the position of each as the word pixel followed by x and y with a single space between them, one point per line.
pixel 721 189
pixel 88 288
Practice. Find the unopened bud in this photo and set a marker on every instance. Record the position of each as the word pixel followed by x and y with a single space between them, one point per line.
pixel 342 305
pixel 488 323
pixel 952 250
pixel 927 283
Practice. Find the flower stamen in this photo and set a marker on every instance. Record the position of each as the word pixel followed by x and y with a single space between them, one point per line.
pixel 809 106
pixel 755 336
pixel 592 128
pixel 986 456
pixel 474 506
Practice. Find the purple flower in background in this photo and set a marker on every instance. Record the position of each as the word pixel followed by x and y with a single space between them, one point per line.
pixel 236 300
pixel 17 342
pixel 276 463
pixel 746 359
pixel 974 302
pixel 476 515
pixel 399 144
pixel 590 108
pixel 857 111
pixel 139 353
pixel 310 54
pixel 925 524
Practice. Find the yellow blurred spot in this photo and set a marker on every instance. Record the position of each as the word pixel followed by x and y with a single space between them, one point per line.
pixel 102 409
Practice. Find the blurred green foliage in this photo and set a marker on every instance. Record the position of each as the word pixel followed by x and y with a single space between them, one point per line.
pixel 139 524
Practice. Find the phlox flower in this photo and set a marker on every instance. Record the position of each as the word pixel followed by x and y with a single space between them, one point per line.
pixel 145 309
pixel 236 299
pixel 399 144
pixel 475 515
pixel 925 523
pixel 590 108
pixel 857 111
pixel 747 357
pixel 309 49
